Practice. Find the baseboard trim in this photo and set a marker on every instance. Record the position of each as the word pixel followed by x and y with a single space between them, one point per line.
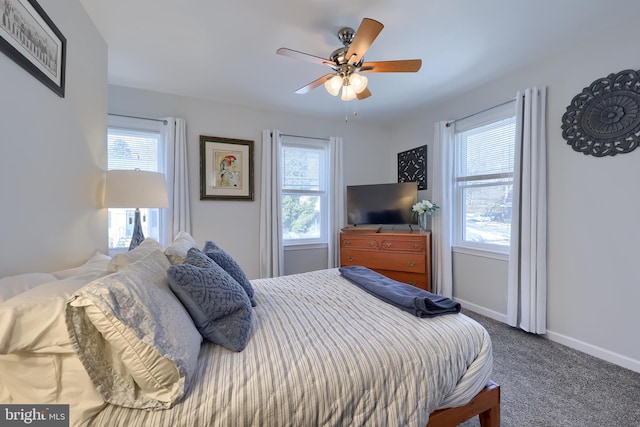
pixel 600 353
pixel 495 315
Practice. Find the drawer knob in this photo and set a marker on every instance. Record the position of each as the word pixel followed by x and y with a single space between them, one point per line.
pixel 416 246
pixel 372 243
pixel 350 259
pixel 388 244
pixel 411 263
pixel 413 283
pixel 347 242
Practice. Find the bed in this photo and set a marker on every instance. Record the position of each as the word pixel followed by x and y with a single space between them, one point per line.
pixel 314 350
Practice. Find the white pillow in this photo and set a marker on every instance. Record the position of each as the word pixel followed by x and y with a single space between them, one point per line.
pixel 94 267
pixel 33 321
pixel 58 378
pixel 177 250
pixel 121 260
pixel 37 361
pixel 134 337
pixel 13 285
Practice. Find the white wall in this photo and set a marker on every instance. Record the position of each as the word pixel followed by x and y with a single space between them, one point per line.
pixel 593 279
pixel 234 224
pixel 53 153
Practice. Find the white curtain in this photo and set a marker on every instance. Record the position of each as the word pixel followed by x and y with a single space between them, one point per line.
pixel 178 217
pixel 442 220
pixel 336 200
pixel 271 250
pixel 527 277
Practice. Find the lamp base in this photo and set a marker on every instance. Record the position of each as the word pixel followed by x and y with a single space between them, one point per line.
pixel 137 236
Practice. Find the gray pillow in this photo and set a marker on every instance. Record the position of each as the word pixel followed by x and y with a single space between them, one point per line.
pixel 224 260
pixel 218 305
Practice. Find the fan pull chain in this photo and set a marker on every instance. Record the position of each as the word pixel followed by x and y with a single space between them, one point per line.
pixel 346 113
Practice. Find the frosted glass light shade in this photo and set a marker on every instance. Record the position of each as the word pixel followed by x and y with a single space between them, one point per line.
pixel 358 82
pixel 135 189
pixel 333 85
pixel 348 93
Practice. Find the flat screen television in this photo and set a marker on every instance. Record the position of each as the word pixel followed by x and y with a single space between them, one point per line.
pixel 381 204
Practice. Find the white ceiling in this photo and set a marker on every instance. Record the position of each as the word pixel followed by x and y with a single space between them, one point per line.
pixel 225 50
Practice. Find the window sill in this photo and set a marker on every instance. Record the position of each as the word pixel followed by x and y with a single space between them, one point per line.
pixel 304 246
pixel 484 253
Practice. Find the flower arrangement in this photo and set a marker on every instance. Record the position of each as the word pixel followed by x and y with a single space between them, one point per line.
pixel 424 207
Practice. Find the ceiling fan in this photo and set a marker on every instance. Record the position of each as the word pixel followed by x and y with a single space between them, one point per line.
pixel 347 63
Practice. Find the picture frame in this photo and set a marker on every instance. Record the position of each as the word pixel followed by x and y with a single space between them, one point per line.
pixel 412 166
pixel 226 168
pixel 30 38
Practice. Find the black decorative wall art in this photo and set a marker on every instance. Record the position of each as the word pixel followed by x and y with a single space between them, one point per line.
pixel 412 166
pixel 604 119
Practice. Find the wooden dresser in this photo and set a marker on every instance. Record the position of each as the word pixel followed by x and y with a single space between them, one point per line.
pixel 404 256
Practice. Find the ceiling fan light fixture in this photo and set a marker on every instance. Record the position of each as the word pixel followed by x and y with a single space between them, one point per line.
pixel 348 93
pixel 358 82
pixel 333 85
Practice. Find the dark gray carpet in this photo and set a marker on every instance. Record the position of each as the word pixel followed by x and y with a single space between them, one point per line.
pixel 546 384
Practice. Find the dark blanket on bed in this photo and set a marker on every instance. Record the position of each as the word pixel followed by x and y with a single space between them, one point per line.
pixel 414 300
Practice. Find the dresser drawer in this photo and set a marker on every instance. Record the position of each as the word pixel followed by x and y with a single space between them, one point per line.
pixel 403 245
pixel 359 242
pixel 414 263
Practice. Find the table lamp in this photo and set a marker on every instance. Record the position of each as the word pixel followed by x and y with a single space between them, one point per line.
pixel 135 189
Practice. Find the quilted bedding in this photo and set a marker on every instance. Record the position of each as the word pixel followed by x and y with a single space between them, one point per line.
pixel 323 352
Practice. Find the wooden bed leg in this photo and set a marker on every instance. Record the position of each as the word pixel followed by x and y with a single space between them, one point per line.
pixel 490 417
pixel 485 404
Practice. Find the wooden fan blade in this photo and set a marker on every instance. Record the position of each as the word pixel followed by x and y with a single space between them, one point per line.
pixel 401 66
pixel 314 84
pixel 364 94
pixel 366 34
pixel 304 56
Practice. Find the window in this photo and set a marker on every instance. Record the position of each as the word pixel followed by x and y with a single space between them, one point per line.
pixel 133 144
pixel 483 185
pixel 304 196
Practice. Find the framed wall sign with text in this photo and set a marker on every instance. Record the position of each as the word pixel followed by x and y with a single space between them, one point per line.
pixel 30 38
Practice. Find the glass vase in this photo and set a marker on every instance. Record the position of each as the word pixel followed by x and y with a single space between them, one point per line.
pixel 422 221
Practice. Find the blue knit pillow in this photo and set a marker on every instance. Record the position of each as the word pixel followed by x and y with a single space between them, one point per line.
pixel 224 260
pixel 198 258
pixel 218 305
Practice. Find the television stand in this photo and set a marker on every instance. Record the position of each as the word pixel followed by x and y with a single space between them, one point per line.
pixel 403 255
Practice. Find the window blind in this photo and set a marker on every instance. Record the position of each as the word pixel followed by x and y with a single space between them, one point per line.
pixel 131 149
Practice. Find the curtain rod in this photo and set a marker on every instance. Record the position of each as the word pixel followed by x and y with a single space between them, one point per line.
pixel 480 112
pixel 304 137
pixel 141 118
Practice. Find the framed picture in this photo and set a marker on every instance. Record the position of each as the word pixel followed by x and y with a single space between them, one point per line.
pixel 412 166
pixel 226 168
pixel 31 39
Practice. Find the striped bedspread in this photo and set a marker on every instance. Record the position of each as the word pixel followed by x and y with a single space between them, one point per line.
pixel 325 353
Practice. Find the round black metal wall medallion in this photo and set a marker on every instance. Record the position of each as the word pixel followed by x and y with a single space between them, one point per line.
pixel 604 119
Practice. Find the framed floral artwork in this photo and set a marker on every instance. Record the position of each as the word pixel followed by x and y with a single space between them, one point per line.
pixel 226 168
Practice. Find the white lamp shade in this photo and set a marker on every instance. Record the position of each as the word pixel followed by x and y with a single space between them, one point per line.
pixel 135 189
pixel 358 82
pixel 348 93
pixel 333 85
